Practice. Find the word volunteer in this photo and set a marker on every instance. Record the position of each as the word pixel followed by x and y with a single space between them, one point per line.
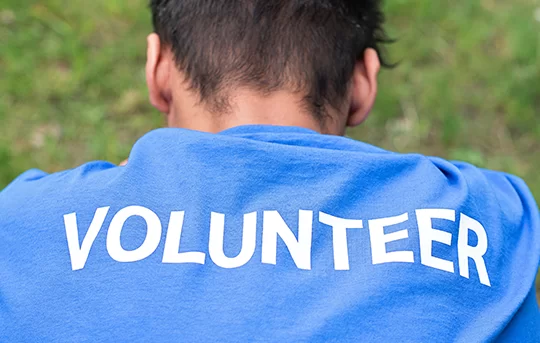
pixel 274 226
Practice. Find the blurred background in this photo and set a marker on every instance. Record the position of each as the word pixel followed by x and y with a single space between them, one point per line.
pixel 72 86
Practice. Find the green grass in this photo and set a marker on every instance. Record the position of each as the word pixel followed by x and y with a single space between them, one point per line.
pixel 468 85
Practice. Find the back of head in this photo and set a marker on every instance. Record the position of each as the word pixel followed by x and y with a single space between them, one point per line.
pixel 309 47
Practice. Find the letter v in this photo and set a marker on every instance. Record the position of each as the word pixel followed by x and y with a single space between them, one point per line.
pixel 79 254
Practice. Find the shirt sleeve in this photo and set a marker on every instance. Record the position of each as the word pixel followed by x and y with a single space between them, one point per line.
pixel 519 207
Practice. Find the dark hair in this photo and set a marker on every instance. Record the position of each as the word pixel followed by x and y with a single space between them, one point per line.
pixel 308 46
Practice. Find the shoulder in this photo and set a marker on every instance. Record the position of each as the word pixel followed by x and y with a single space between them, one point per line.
pixel 511 192
pixel 508 204
pixel 500 199
pixel 38 189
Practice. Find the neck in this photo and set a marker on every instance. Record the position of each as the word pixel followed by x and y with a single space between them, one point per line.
pixel 247 108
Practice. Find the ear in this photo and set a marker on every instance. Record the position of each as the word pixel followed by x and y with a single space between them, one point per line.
pixel 364 87
pixel 157 74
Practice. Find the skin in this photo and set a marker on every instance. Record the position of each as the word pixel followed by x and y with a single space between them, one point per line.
pixel 170 94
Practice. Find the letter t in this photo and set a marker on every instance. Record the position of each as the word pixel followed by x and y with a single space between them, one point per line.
pixel 339 231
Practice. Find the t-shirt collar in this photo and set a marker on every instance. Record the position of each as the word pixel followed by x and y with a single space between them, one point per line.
pixel 251 129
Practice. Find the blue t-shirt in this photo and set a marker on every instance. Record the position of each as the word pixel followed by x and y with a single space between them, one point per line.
pixel 267 233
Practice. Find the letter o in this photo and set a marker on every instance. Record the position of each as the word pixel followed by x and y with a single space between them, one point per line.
pixel 151 241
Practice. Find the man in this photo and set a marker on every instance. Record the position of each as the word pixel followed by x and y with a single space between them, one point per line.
pixel 252 219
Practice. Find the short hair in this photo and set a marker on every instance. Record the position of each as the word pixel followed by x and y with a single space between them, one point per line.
pixel 304 46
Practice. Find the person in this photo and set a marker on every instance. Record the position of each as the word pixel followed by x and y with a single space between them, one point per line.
pixel 253 219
